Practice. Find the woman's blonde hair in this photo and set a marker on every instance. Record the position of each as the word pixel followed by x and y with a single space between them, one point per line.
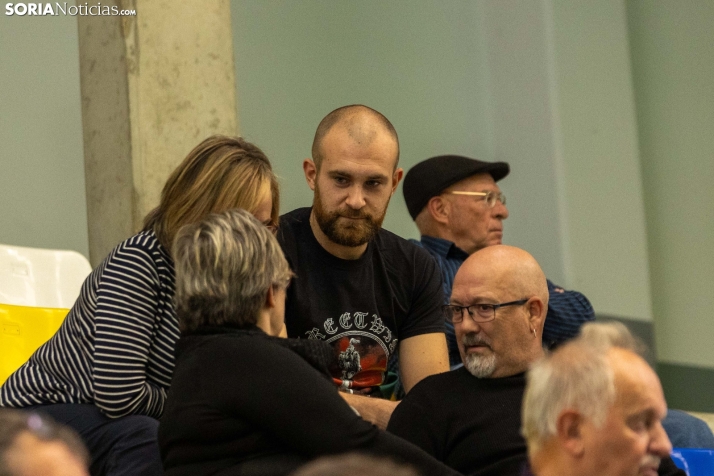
pixel 220 173
pixel 225 265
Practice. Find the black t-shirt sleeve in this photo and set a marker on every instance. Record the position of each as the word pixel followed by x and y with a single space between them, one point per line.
pixel 425 315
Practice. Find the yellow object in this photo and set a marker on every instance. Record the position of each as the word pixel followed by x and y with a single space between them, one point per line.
pixel 22 330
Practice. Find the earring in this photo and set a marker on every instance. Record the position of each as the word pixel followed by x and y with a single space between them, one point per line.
pixel 534 332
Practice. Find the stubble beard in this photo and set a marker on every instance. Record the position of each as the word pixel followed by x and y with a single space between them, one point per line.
pixel 480 366
pixel 355 232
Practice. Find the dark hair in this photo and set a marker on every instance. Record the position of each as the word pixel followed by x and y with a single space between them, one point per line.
pixel 14 423
pixel 220 173
pixel 339 115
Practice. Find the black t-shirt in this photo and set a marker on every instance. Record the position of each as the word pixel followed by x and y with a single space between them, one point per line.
pixel 362 307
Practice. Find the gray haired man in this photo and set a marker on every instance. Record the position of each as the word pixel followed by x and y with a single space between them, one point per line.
pixel 595 407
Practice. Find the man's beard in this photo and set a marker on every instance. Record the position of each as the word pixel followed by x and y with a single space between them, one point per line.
pixel 355 232
pixel 650 460
pixel 480 366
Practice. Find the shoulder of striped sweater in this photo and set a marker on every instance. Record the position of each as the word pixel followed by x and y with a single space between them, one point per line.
pixel 144 246
pixel 145 241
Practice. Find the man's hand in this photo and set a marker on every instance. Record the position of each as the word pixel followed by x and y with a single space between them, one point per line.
pixel 374 410
pixel 421 356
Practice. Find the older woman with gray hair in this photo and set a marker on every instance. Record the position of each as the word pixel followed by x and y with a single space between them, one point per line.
pixel 242 400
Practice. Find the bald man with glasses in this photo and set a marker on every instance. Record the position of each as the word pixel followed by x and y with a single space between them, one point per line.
pixel 469 418
pixel 459 209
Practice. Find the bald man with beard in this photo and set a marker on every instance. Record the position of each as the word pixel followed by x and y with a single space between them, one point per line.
pixel 470 418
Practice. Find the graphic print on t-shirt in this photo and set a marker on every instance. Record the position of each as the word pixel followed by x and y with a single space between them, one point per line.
pixel 362 346
pixel 349 361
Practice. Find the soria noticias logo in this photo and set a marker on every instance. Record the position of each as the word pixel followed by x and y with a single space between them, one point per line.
pixel 57 8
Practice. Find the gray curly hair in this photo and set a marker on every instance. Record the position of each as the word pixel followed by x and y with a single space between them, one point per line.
pixel 225 265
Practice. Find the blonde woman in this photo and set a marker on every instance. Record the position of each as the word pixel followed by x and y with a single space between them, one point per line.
pixel 243 401
pixel 106 372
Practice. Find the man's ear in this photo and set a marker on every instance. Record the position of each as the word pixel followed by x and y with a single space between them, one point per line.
pixel 439 208
pixel 310 169
pixel 396 177
pixel 570 432
pixel 536 313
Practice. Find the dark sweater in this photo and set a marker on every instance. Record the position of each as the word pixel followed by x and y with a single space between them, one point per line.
pixel 242 402
pixel 471 424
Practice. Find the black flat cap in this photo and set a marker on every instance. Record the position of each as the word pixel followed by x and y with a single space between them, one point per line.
pixel 430 177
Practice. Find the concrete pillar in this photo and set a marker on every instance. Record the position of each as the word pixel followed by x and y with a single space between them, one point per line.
pixel 153 86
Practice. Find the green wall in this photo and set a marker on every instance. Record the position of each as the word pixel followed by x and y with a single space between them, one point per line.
pixel 673 71
pixel 603 109
pixel 42 196
pixel 421 67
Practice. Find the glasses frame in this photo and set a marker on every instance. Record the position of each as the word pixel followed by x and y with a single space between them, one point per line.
pixel 491 202
pixel 448 310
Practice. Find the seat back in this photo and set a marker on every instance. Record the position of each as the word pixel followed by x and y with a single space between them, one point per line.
pixel 22 330
pixel 37 287
pixel 41 278
pixel 694 461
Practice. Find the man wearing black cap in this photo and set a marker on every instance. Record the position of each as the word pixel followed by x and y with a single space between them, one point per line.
pixel 459 209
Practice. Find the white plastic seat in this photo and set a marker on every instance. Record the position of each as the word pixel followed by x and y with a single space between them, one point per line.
pixel 41 277
pixel 37 288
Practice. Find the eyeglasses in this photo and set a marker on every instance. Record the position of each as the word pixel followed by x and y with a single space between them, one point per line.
pixel 489 197
pixel 482 312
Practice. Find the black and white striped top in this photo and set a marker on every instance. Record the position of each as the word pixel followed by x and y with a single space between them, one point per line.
pixel 116 347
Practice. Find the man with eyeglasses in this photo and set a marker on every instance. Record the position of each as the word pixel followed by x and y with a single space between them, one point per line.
pixel 470 418
pixel 459 209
